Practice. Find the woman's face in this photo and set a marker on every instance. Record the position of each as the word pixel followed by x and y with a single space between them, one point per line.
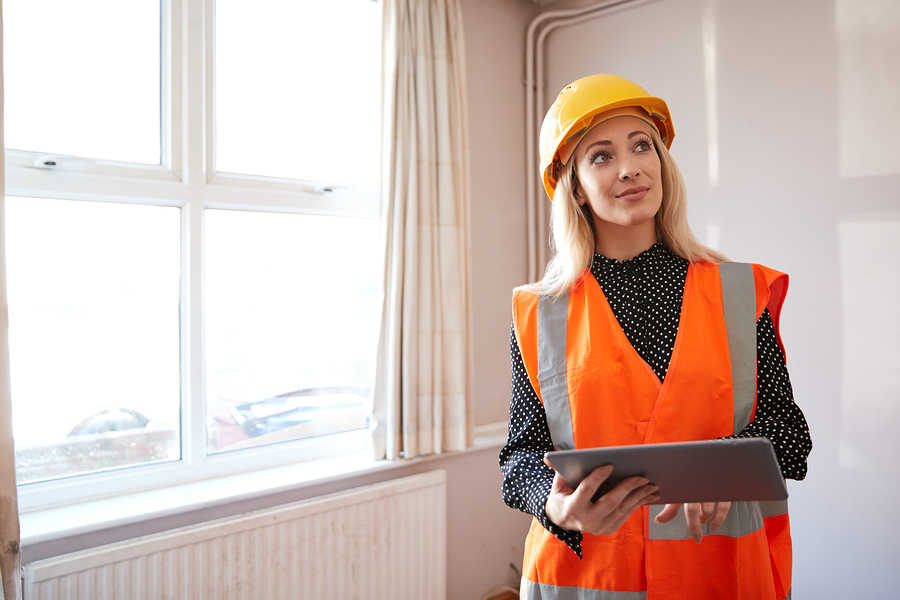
pixel 619 175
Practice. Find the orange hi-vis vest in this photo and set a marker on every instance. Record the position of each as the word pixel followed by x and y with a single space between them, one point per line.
pixel 597 391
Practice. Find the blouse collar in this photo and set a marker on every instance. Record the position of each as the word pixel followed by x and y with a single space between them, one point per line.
pixel 655 254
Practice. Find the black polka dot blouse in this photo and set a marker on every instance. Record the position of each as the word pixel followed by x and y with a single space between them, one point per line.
pixel 645 295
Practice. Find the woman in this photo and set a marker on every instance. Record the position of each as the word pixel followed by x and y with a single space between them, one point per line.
pixel 635 335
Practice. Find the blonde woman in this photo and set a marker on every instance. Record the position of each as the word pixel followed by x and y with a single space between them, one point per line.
pixel 640 334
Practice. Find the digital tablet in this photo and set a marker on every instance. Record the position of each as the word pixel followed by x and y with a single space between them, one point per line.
pixel 709 471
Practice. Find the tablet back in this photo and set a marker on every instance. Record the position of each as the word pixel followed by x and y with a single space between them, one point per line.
pixel 707 471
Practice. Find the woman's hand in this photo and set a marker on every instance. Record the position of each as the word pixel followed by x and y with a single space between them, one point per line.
pixel 573 509
pixel 697 514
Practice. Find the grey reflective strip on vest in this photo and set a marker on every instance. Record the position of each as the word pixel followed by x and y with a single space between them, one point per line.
pixel 743 518
pixel 773 508
pixel 739 301
pixel 541 591
pixel 552 317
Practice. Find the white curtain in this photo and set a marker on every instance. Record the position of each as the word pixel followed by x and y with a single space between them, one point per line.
pixel 423 384
pixel 9 507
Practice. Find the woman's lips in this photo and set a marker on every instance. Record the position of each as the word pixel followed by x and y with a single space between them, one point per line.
pixel 633 194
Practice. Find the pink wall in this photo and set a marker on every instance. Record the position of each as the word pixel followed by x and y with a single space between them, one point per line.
pixel 495 63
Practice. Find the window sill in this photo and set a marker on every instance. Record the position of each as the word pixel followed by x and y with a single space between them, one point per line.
pixel 75 519
pixel 42 529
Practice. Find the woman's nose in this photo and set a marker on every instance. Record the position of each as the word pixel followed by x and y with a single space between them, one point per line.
pixel 628 170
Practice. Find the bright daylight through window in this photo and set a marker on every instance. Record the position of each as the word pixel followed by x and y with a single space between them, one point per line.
pixel 192 269
pixel 93 334
pixel 291 301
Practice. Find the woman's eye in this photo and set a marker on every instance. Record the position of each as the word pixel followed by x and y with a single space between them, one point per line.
pixel 643 146
pixel 600 157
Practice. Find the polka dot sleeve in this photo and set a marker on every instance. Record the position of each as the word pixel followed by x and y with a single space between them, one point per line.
pixel 526 479
pixel 777 417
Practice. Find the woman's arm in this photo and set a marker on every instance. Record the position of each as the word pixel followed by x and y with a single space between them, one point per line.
pixel 526 479
pixel 777 417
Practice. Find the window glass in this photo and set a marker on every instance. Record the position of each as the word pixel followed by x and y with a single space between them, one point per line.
pixel 93 294
pixel 83 78
pixel 298 89
pixel 102 374
pixel 291 325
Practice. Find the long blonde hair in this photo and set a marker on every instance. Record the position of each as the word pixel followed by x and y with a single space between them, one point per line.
pixel 573 235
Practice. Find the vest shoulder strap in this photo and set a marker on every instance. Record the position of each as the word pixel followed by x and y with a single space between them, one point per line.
pixel 747 290
pixel 552 324
pixel 739 304
pixel 539 324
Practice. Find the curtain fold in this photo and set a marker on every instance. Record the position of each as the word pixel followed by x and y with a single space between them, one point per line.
pixel 423 382
pixel 9 509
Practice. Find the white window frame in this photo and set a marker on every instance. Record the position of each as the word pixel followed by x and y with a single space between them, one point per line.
pixel 186 179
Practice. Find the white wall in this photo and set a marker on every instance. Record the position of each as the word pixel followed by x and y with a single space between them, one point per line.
pixel 802 101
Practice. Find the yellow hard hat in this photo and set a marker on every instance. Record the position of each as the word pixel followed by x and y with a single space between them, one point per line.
pixel 573 112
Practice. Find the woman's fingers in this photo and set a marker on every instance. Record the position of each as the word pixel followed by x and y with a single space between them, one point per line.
pixel 668 513
pixel 614 507
pixel 589 484
pixel 573 509
pixel 692 512
pixel 699 513
pixel 630 494
pixel 722 509
pixel 707 510
pixel 570 508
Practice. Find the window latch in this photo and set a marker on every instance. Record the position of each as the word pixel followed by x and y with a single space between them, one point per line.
pixel 48 161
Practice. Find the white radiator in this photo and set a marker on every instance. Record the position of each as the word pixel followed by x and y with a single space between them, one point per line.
pixel 382 541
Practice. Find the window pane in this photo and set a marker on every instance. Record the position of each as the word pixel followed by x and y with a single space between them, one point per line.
pixel 94 335
pixel 298 89
pixel 83 78
pixel 291 325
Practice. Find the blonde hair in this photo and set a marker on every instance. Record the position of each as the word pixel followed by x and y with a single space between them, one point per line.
pixel 573 235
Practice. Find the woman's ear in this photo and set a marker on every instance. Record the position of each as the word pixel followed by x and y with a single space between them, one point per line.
pixel 580 197
pixel 572 174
